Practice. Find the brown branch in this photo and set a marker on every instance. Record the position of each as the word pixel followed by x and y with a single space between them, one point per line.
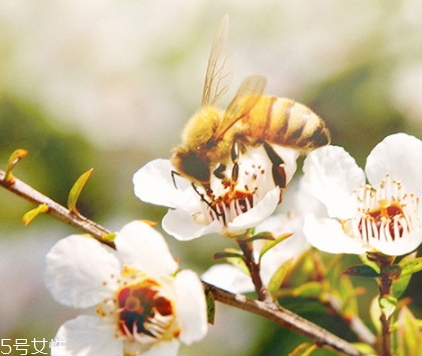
pixel 270 311
pixel 285 318
pixel 55 209
pixel 254 270
pixel 385 283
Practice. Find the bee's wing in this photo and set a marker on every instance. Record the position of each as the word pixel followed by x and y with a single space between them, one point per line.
pixel 246 98
pixel 220 66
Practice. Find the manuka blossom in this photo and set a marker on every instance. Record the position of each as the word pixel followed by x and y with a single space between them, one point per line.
pixel 382 215
pixel 144 305
pixel 297 202
pixel 227 208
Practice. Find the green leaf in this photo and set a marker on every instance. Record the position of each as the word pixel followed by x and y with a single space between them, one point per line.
pixel 234 257
pixel 271 244
pixel 399 286
pixel 228 253
pixel 388 305
pixel 264 235
pixel 309 290
pixel 409 336
pixel 370 262
pixel 375 314
pixel 410 267
pixel 32 214
pixel 13 160
pixel 304 349
pixel 109 237
pixel 362 271
pixel 210 307
pixel 365 349
pixel 348 295
pixel 407 269
pixel 278 278
pixel 76 190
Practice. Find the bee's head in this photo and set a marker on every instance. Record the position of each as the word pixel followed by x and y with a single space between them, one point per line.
pixel 188 163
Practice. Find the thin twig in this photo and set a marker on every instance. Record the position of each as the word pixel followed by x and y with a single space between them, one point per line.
pixel 270 311
pixel 385 283
pixel 55 209
pixel 285 318
pixel 254 270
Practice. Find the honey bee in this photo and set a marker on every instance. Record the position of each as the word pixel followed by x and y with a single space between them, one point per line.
pixel 212 135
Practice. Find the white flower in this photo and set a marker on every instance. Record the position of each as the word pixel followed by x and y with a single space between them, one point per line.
pixel 225 209
pixel 297 202
pixel 383 215
pixel 144 306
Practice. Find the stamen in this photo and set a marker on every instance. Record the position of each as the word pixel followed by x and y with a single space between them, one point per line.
pixel 143 312
pixel 230 205
pixel 236 194
pixel 385 214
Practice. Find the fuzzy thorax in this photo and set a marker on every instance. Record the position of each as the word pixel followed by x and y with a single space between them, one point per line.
pixel 199 133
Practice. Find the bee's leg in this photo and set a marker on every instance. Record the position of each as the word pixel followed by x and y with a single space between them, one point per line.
pixel 219 171
pixel 234 153
pixel 202 196
pixel 174 173
pixel 279 174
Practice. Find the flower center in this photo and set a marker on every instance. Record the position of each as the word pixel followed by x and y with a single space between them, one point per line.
pixel 143 311
pixel 226 207
pixel 235 188
pixel 386 214
pixel 240 182
pixel 388 218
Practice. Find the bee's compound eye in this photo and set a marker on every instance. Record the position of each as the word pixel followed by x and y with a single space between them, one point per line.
pixel 195 167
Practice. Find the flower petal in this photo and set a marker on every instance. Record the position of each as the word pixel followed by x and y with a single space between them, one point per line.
pixel 332 174
pixel 258 213
pixel 163 348
pixel 400 155
pixel 86 335
pixel 228 277
pixel 327 235
pixel 153 183
pixel 79 271
pixel 140 245
pixel 180 224
pixel 303 201
pixel 400 246
pixel 190 307
pixel 289 156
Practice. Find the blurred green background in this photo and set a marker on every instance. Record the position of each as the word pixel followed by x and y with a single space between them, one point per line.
pixel 110 85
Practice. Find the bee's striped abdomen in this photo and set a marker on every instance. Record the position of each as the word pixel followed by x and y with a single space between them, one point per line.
pixel 286 122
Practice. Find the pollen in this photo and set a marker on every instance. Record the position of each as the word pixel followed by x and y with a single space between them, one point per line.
pixel 385 214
